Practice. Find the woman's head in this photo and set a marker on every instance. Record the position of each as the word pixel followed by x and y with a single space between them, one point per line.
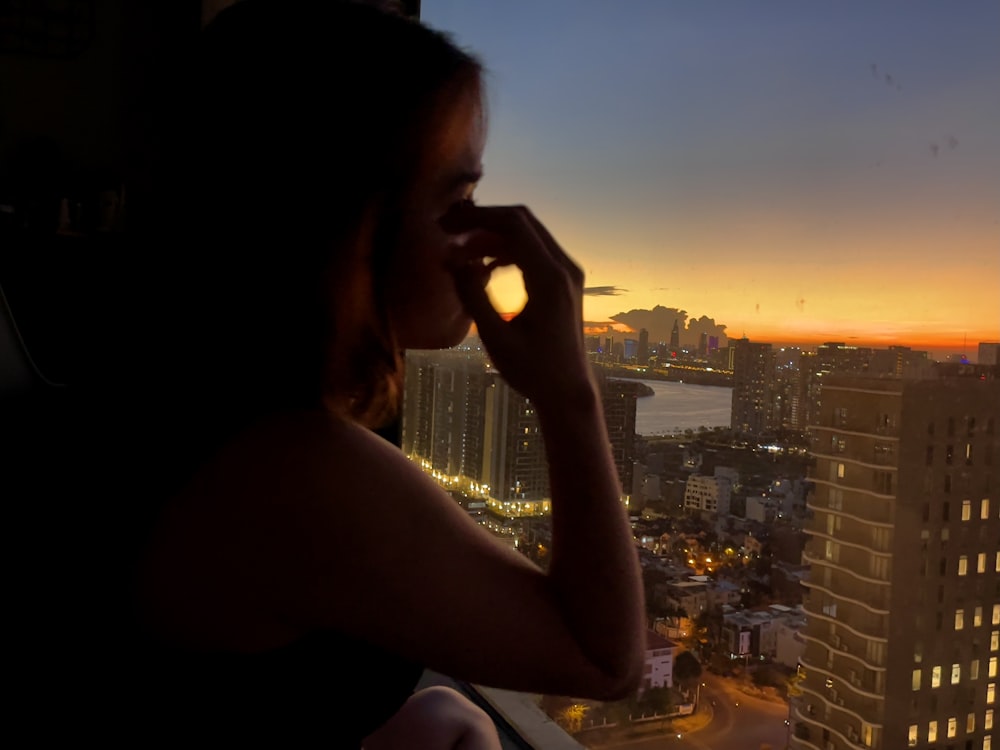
pixel 310 144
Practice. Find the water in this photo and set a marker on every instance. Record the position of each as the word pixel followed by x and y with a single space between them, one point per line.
pixel 676 407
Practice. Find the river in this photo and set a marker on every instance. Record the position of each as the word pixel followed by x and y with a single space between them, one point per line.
pixel 676 407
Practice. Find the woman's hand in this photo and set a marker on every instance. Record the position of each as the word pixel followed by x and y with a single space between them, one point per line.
pixel 540 352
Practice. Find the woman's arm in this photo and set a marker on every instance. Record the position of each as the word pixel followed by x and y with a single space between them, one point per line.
pixel 594 575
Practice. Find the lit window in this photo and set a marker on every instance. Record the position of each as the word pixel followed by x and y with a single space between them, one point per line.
pixel 988 721
pixel 987 742
pixel 994 640
pixel 981 563
pixel 996 565
pixel 993 666
pixel 932 731
pixel 916 679
pixel 984 508
pixel 991 693
pixel 840 471
pixel 970 723
pixel 996 614
pixel 956 673
pixel 952 726
pixel 963 565
pixel 959 619
pixel 936 677
pixel 914 731
pixel 966 510
pixel 977 617
pixel 974 669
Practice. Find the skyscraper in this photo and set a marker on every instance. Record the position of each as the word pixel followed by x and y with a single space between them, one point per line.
pixel 478 436
pixel 643 354
pixel 675 340
pixel 753 381
pixel 903 595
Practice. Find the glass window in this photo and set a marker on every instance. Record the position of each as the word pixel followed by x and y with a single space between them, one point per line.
pixel 988 719
pixel 970 723
pixel 988 742
pixel 956 673
pixel 996 614
pixel 984 508
pixel 913 735
pixel 936 677
pixel 932 731
pixel 993 666
pixel 977 617
pixel 959 619
pixel 991 693
pixel 994 640
pixel 952 726
pixel 981 562
pixel 963 565
pixel 966 510
pixel 974 669
pixel 916 679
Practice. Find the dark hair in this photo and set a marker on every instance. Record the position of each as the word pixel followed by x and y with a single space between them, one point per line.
pixel 298 136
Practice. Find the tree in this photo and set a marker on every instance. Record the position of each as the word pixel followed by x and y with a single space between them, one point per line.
pixel 687 669
pixel 656 701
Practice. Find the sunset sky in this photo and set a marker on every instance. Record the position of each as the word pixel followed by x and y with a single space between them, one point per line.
pixel 798 171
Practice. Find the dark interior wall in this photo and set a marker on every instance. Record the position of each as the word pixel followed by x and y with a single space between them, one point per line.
pixel 74 106
pixel 71 94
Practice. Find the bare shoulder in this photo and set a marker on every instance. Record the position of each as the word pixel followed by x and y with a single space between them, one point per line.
pixel 305 512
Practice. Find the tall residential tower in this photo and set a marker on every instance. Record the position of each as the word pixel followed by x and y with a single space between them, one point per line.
pixel 903 595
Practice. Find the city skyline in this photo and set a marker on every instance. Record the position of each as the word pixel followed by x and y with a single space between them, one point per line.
pixel 800 173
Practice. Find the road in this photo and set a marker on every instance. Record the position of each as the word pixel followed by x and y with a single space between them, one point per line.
pixel 755 721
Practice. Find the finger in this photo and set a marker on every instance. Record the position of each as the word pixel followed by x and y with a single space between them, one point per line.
pixel 521 244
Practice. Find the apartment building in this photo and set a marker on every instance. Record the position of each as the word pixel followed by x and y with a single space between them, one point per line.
pixel 476 435
pixel 903 593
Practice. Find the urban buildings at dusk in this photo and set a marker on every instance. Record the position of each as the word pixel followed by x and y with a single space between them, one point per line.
pixel 903 592
pixel 481 439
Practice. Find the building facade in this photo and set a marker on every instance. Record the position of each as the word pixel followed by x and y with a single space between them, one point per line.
pixel 903 593
pixel 477 436
pixel 753 384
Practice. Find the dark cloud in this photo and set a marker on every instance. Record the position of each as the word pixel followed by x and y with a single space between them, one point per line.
pixel 603 291
pixel 659 322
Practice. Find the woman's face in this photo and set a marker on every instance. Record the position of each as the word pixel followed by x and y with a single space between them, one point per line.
pixel 425 311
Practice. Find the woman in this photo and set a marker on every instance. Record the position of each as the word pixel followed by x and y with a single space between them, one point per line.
pixel 315 221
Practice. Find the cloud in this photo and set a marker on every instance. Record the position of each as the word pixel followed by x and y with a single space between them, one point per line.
pixel 603 291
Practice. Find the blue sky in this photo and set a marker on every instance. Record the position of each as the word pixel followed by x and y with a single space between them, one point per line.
pixel 799 171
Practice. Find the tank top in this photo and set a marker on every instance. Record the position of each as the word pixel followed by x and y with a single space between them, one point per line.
pixel 323 690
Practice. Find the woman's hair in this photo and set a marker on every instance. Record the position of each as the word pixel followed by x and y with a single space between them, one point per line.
pixel 300 132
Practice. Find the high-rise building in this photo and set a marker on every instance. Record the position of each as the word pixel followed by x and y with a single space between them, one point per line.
pixel 620 398
pixel 643 354
pixel 631 350
pixel 444 411
pixel 903 593
pixel 830 358
pixel 675 340
pixel 753 381
pixel 989 353
pixel 479 437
